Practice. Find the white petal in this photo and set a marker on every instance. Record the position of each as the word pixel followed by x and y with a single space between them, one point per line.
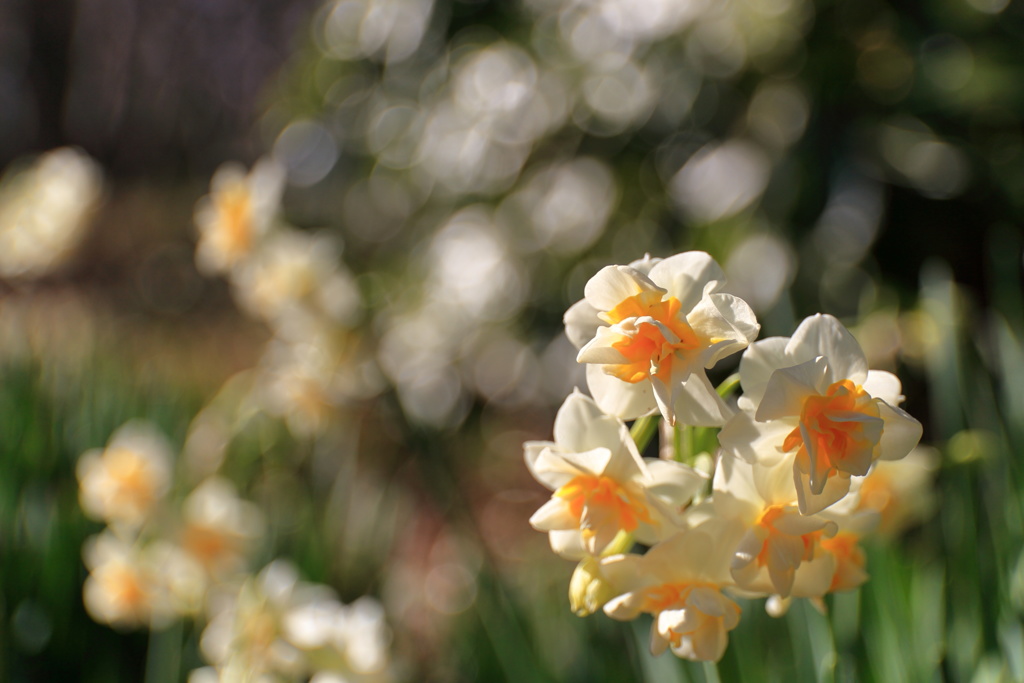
pixel 788 388
pixel 673 482
pixel 709 601
pixel 663 397
pixel 735 494
pixel 645 264
pixel 774 483
pixel 593 462
pixel 581 323
pixel 710 642
pixel 626 573
pixel 900 434
pixel 783 559
pixel 686 275
pixel 552 469
pixel 836 487
pixel 602 522
pixel 601 350
pixel 725 535
pixel 755 441
pixel 581 425
pixel 624 607
pixel 813 579
pixel 554 515
pixel 658 642
pixel 720 317
pixel 823 335
pixel 681 620
pixel 614 284
pixel 567 544
pixel 531 453
pixel 884 385
pixel 758 363
pixel 695 402
pixel 795 524
pixel 622 399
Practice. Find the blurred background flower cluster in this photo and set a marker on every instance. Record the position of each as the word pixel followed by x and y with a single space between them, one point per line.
pixel 281 297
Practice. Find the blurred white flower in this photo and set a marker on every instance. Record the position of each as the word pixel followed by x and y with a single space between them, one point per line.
pixel 122 483
pixel 760 268
pixel 307 378
pixel 275 624
pixel 920 159
pixel 480 131
pixel 243 638
pixel 44 210
pixel 472 271
pixel 124 587
pixel 386 30
pixel 566 204
pixel 237 213
pixel 721 180
pixel 346 642
pixel 219 528
pixel 296 274
pixel 901 491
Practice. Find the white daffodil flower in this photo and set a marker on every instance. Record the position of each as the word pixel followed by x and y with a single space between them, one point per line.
pixel 219 528
pixel 778 553
pixel 276 627
pixel 679 582
pixel 811 398
pixel 297 275
pixel 601 484
pixel 648 332
pixel 901 491
pixel 122 483
pixel 125 587
pixel 237 213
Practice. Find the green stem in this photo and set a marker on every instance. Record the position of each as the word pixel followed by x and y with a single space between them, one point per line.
pixel 163 656
pixel 711 673
pixel 677 444
pixel 643 431
pixel 729 385
pixel 685 443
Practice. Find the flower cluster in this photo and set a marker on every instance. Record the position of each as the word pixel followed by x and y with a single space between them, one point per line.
pixel 157 558
pixel 180 540
pixel 160 560
pixel 292 281
pixel 781 516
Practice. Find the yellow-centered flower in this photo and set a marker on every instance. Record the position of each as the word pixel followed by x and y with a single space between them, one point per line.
pixel 811 399
pixel 649 331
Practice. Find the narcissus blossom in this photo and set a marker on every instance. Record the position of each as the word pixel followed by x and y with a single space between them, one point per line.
pixel 679 582
pixel 122 483
pixel 900 491
pixel 297 275
pixel 811 398
pixel 276 627
pixel 218 527
pixel 45 209
pixel 779 550
pixel 601 484
pixel 648 332
pixel 236 214
pixel 125 587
